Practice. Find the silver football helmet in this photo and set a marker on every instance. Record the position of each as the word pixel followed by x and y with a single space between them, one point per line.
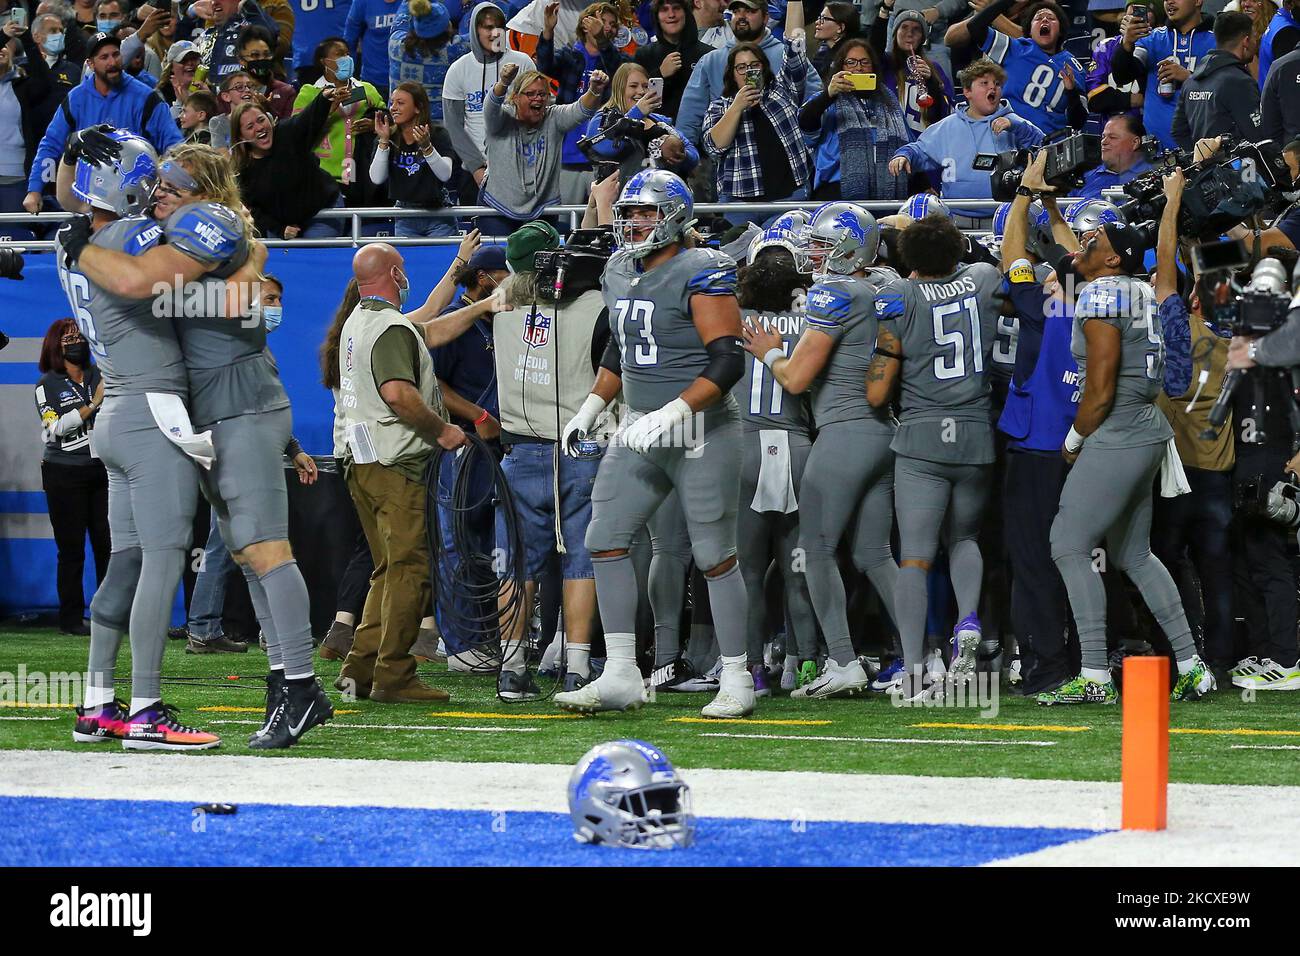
pixel 627 793
pixel 925 204
pixel 666 192
pixel 1089 214
pixel 841 238
pixel 123 185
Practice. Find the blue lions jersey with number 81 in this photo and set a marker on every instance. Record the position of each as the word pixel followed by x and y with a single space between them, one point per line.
pixel 1129 305
pixel 947 329
pixel 133 341
pixel 650 317
pixel 1034 87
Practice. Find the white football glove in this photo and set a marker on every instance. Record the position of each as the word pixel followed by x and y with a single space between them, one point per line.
pixel 643 433
pixel 582 422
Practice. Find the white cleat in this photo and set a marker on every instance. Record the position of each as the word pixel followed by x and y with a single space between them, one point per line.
pixel 835 681
pixel 790 673
pixel 620 687
pixel 735 696
pixel 1267 674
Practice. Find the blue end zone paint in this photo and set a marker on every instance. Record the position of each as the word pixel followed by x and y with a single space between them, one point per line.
pixel 41 831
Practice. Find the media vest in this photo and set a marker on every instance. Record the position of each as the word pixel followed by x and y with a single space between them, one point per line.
pixel 543 358
pixel 360 405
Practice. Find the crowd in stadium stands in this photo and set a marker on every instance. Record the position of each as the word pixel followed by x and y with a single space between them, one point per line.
pixel 518 106
pixel 752 101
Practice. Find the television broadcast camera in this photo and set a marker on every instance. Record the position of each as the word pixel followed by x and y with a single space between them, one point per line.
pixel 11 263
pixel 1070 154
pixel 1240 181
pixel 582 259
pixel 1255 308
pixel 1278 504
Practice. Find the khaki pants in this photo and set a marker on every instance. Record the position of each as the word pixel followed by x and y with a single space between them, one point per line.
pixel 391 508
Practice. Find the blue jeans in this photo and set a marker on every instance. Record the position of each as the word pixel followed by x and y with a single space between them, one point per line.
pixel 740 218
pixel 529 470
pixel 325 228
pixel 430 228
pixel 210 587
pixel 479 525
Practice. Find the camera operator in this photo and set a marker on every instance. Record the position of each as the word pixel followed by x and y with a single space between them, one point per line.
pixel 547 349
pixel 1264 583
pixel 1196 524
pixel 1221 97
pixel 1039 410
pixel 1117 445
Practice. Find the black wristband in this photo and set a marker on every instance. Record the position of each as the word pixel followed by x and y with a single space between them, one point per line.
pixel 1024 191
pixel 887 354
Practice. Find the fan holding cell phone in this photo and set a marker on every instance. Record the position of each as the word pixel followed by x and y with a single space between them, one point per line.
pixel 752 131
pixel 859 124
pixel 630 134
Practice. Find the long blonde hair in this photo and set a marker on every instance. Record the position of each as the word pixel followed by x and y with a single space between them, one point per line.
pixel 618 86
pixel 214 174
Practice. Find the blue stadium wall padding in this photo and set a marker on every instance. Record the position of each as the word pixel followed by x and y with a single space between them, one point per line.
pixel 314 280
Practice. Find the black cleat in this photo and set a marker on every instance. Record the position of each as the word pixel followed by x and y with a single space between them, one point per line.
pixel 276 691
pixel 303 707
pixel 512 686
pixel 574 682
pixel 678 676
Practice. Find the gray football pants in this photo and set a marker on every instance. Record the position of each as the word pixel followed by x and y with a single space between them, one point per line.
pixel 935 501
pixel 152 494
pixel 1108 495
pixel 850 469
pixel 629 490
pixel 670 548
pixel 769 536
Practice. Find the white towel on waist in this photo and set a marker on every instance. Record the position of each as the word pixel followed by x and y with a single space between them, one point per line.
pixel 174 421
pixel 1173 480
pixel 775 491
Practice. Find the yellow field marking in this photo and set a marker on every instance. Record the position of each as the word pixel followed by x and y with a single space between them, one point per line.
pixel 224 709
pixel 473 715
pixel 1061 728
pixel 40 706
pixel 753 723
pixel 1237 732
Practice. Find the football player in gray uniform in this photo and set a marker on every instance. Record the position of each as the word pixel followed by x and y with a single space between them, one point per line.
pixel 851 467
pixel 153 486
pixel 778 440
pixel 235 392
pixel 1116 446
pixel 675 353
pixel 937 335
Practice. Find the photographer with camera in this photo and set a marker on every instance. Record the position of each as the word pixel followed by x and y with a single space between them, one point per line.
pixel 547 348
pixel 1221 97
pixel 1117 445
pixel 1196 524
pixel 1040 408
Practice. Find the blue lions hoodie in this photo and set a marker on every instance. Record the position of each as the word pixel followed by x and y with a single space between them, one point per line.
pixel 947 149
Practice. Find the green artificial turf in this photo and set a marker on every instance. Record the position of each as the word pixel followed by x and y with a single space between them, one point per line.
pixel 194 682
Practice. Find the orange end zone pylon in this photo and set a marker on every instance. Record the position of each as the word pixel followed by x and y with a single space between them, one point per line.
pixel 1145 748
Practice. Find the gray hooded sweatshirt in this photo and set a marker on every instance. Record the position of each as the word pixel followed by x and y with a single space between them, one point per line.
pixel 465 90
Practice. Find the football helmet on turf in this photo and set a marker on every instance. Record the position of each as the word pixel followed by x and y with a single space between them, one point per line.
pixel 627 793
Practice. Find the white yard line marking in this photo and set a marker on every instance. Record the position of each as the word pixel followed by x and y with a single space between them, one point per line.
pixel 1265 747
pixel 429 727
pixel 891 740
pixel 31 718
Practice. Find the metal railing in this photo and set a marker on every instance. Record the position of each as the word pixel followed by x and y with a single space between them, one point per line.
pixel 355 218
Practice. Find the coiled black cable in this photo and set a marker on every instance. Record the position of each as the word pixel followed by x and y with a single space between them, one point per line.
pixel 484 593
